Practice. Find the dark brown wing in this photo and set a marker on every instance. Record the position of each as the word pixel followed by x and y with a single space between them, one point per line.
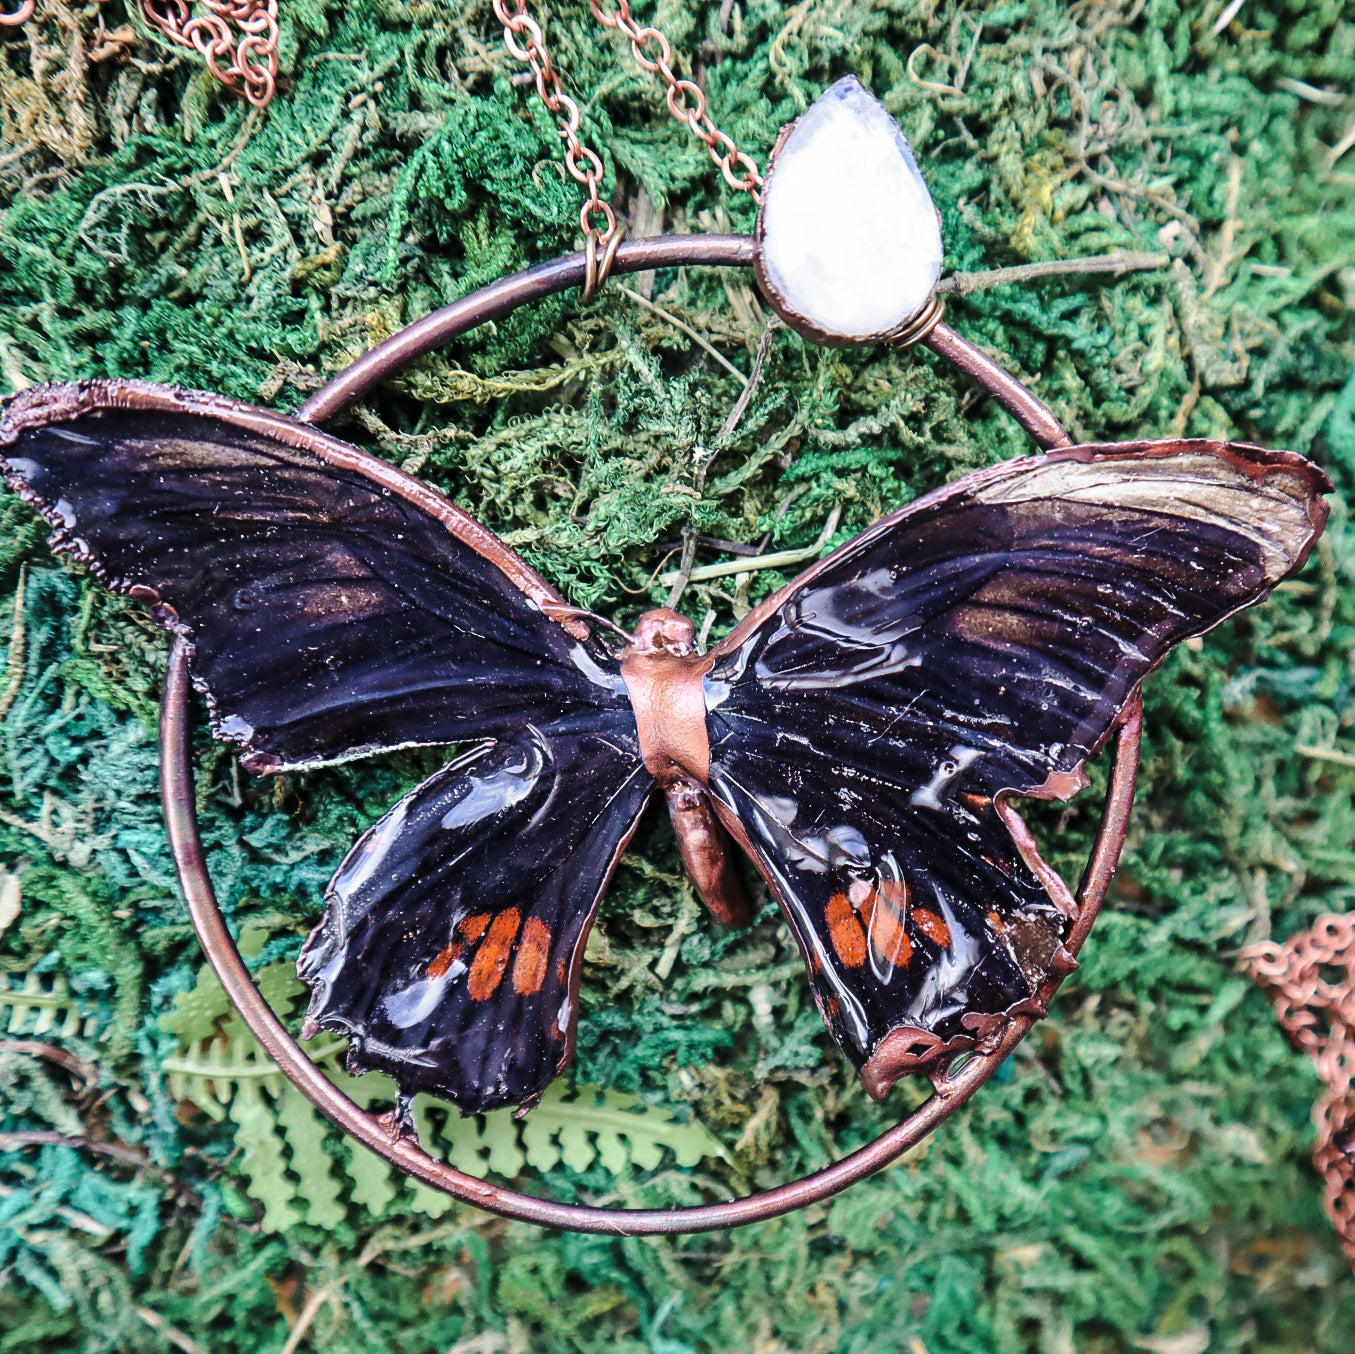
pixel 336 606
pixel 453 932
pixel 866 721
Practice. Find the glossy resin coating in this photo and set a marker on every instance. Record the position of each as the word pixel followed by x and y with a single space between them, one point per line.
pixel 978 644
pixel 453 932
pixel 857 734
pixel 336 606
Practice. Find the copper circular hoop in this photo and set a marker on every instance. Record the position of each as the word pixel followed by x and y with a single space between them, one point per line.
pixel 177 788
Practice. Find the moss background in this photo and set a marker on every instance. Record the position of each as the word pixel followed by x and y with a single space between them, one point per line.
pixel 1137 1178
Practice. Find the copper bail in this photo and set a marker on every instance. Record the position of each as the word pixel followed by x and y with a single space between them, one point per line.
pixel 598 260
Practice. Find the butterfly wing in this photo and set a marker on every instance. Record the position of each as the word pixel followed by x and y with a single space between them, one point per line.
pixel 336 606
pixel 454 931
pixel 867 723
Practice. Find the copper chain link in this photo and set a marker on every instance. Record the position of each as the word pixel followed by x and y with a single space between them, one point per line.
pixel 237 38
pixel 249 66
pixel 524 39
pixel 581 161
pixel 1319 1017
pixel 20 15
pixel 686 99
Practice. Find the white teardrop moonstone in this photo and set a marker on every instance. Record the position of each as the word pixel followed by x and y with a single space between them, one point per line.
pixel 849 243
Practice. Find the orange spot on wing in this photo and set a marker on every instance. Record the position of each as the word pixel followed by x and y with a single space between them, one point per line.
pixel 486 970
pixel 932 926
pixel 849 940
pixel 474 927
pixel 529 968
pixel 443 960
pixel 888 933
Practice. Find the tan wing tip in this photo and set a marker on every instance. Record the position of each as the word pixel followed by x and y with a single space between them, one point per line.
pixel 1310 485
pixel 1286 534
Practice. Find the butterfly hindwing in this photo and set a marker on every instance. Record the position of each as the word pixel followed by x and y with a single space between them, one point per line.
pixel 453 932
pixel 912 922
pixel 866 722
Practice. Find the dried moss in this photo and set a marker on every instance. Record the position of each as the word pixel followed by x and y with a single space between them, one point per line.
pixel 1138 1177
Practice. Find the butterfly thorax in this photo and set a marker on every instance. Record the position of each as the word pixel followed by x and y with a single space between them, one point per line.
pixel 665 678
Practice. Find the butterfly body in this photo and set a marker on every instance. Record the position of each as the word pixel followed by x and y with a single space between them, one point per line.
pixel 860 735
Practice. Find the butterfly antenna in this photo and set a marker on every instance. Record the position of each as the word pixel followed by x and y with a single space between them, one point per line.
pixel 561 612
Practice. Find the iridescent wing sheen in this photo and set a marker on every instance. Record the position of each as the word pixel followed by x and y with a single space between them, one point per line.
pixel 453 933
pixel 335 605
pixel 867 722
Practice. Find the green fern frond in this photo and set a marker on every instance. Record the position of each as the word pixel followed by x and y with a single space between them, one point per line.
pixel 611 1127
pixel 305 1131
pixel 197 1011
pixel 36 1008
pixel 225 1072
pixel 210 1072
pixel 431 1202
pixel 262 1158
pixel 374 1184
pixel 478 1144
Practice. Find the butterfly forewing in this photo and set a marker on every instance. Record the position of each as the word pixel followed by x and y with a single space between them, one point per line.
pixel 331 612
pixel 864 723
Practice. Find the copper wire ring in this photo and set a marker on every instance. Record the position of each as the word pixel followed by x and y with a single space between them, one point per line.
pixel 185 843
pixel 920 325
pixel 598 262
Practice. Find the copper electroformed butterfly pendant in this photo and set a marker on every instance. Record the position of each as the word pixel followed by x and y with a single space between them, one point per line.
pixel 859 737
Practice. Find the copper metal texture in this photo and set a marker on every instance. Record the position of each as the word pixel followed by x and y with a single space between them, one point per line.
pixel 952 1091
pixel 1036 417
pixel 638 256
pixel 686 99
pixel 499 298
pixel 953 1088
pixel 524 39
pixel 237 38
pixel 1319 1018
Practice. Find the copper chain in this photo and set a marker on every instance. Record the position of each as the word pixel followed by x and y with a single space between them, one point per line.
pixel 249 66
pixel 1319 1017
pixel 524 39
pixel 581 161
pixel 686 99
pixel 237 38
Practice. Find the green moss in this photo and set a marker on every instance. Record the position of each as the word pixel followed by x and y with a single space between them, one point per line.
pixel 1139 1173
